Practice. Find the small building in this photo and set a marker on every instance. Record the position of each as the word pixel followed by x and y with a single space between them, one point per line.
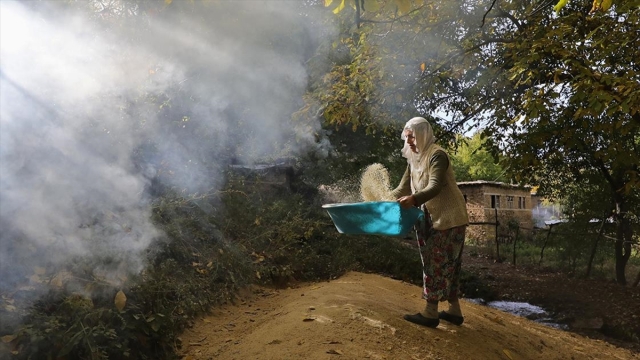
pixel 486 199
pixel 273 176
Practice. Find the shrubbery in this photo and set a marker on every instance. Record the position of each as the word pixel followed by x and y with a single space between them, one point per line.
pixel 215 244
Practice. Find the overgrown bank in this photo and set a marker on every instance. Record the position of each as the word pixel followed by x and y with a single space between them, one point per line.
pixel 214 245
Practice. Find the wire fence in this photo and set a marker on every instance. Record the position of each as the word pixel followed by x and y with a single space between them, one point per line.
pixel 511 238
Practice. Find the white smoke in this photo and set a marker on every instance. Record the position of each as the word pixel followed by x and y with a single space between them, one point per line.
pixel 94 108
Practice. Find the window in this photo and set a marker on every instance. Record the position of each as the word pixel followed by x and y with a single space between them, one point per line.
pixel 509 202
pixel 521 203
pixel 495 201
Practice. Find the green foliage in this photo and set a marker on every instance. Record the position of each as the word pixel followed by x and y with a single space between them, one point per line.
pixel 595 124
pixel 405 6
pixel 603 5
pixel 588 200
pixel 356 93
pixel 401 6
pixel 281 231
pixel 290 237
pixel 527 252
pixel 471 161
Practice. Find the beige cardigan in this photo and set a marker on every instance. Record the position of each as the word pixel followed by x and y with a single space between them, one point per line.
pixel 438 189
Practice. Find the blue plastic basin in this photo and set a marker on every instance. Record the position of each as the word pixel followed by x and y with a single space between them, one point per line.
pixel 373 218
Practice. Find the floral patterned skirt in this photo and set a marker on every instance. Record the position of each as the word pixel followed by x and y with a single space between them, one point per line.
pixel 441 254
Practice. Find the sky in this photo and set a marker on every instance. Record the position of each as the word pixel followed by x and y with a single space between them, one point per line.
pixel 97 106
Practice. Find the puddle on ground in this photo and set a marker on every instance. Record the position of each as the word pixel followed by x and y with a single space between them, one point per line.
pixel 523 309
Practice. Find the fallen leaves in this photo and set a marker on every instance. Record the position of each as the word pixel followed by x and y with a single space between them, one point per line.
pixel 8 338
pixel 120 300
pixel 496 319
pixel 508 353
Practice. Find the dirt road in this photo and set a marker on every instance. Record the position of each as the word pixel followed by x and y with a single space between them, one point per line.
pixel 359 316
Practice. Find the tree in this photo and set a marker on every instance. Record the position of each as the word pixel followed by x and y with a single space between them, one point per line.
pixel 576 109
pixel 471 161
pixel 586 205
pixel 560 95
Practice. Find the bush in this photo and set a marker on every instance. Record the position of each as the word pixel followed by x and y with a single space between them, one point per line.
pixel 192 270
pixel 215 244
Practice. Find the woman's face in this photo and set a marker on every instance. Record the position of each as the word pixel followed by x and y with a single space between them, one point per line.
pixel 411 140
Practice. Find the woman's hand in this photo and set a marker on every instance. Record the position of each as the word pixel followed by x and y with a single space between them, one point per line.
pixel 407 202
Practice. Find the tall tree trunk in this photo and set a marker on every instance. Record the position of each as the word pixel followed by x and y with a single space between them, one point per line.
pixel 624 233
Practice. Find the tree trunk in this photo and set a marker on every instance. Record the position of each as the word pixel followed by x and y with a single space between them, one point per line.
pixel 624 234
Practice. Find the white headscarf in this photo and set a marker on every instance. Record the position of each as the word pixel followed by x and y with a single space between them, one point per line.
pixel 423 140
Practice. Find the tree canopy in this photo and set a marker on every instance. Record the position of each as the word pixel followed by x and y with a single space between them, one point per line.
pixel 559 94
pixel 472 161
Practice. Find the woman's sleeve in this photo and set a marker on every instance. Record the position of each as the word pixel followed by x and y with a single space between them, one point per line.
pixel 404 188
pixel 438 165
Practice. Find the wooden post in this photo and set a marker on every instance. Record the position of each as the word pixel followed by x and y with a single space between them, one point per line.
pixel 595 246
pixel 514 244
pixel 497 241
pixel 545 245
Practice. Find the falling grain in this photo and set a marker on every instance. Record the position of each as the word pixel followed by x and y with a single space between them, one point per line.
pixel 374 184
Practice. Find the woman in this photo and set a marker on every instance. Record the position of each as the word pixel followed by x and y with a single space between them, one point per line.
pixel 430 184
